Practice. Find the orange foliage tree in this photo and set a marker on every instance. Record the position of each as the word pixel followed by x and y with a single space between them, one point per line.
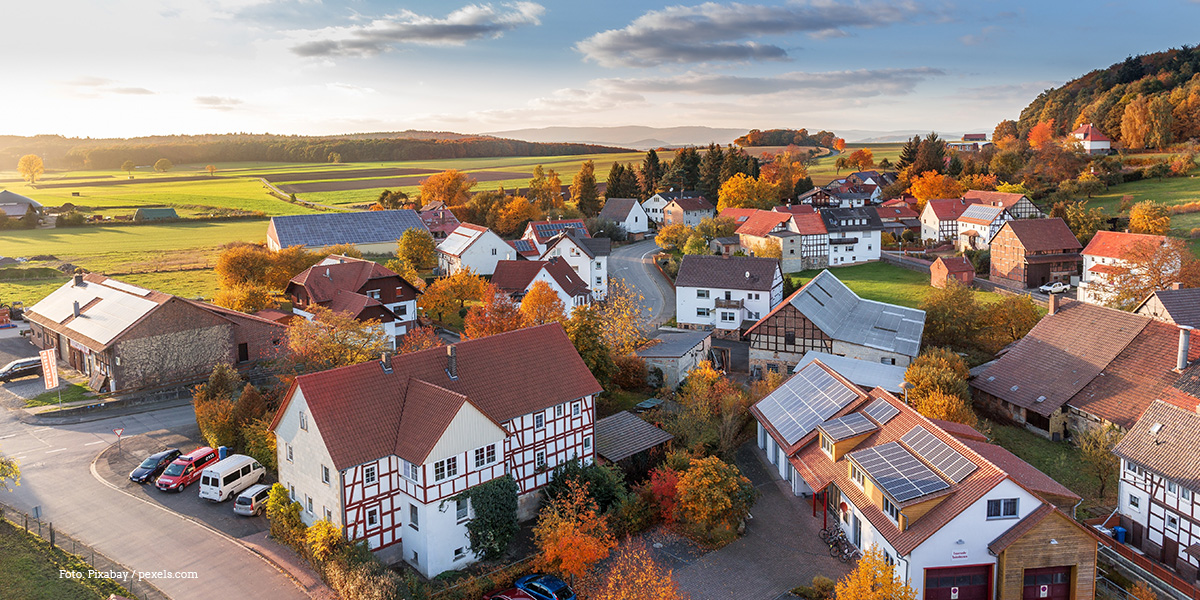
pixel 862 158
pixel 497 314
pixel 839 144
pixel 743 191
pixel 542 305
pixel 664 483
pixel 931 185
pixel 1149 217
pixel 1041 134
pixel 451 187
pixel 515 214
pixel 571 533
pixel 633 574
pixel 713 496
pixel 874 579
pixel 439 299
pixel 420 338
pixel 333 339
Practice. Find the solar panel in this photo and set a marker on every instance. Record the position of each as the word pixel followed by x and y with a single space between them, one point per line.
pixel 804 401
pixel 898 472
pixel 881 410
pixel 945 459
pixel 851 425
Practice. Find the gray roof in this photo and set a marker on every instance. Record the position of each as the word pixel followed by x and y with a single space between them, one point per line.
pixel 865 373
pixel 843 316
pixel 624 434
pixel 328 229
pixel 592 246
pixel 983 212
pixel 16 205
pixel 834 216
pixel 1183 305
pixel 1165 440
pixel 674 344
pixel 616 209
pixel 727 272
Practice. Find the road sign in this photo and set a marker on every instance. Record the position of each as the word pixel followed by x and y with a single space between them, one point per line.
pixel 119 431
pixel 49 368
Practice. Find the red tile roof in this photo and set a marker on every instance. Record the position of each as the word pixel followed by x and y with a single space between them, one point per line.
pixel 960 431
pixel 693 204
pixel 322 282
pixel 1115 244
pixel 956 264
pixel 739 215
pixel 1107 269
pixel 1004 199
pixel 795 209
pixel 949 209
pixel 897 211
pixel 763 222
pixel 1023 472
pixel 515 276
pixel 352 303
pixel 810 223
pixel 1044 235
pixel 1090 134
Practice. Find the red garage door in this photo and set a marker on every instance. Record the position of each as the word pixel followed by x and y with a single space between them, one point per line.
pixel 959 583
pixel 1052 584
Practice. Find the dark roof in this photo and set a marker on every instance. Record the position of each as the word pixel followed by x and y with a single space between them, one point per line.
pixel 353 304
pixel 592 246
pixel 7 197
pixel 1165 440
pixel 727 272
pixel 515 276
pixel 622 435
pixel 674 344
pixel 1182 305
pixel 543 231
pixel 617 209
pixel 673 195
pixel 524 247
pixel 833 216
pixel 329 229
pixel 693 204
pixel 323 282
pixel 153 214
pixel 1042 235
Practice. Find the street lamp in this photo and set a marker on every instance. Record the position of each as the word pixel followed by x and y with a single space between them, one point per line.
pixel 906 386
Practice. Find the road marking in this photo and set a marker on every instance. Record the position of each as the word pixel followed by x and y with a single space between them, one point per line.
pixel 19 457
pixel 5 437
pixel 94 443
pixel 53 451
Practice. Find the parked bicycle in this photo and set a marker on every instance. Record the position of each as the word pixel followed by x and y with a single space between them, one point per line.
pixel 839 546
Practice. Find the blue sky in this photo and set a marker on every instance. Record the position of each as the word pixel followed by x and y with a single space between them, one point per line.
pixel 138 67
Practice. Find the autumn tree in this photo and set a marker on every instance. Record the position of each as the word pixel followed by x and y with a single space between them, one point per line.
pixel 947 407
pixel 1005 129
pixel 1084 222
pixel 932 185
pixel 406 271
pixel 10 473
pixel 571 535
pixel 1096 449
pixel 634 574
pixel 545 189
pixel 392 200
pixel 743 191
pixel 212 170
pixel 696 245
pixel 874 579
pixel 418 247
pixel 1135 123
pixel 542 305
pixel 333 339
pixel 725 404
pixel 1041 134
pixel 163 165
pixel 715 227
pixel 674 235
pixel 30 167
pixel 1007 321
pixel 419 338
pixel 583 190
pixel 767 249
pixel 323 540
pixel 450 187
pixel 243 264
pixel 862 159
pixel 936 370
pixel 713 497
pixel 496 314
pixel 952 315
pixel 1149 217
pixel 839 144
pixel 513 216
pixel 586 332
pixel 128 166
pixel 784 171
pixel 624 317
pixel 439 299
pixel 1142 591
pixel 1148 267
pixel 247 298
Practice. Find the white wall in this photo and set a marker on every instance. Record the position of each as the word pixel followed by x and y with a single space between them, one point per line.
pixel 593 271
pixel 686 303
pixel 654 206
pixel 865 250
pixel 637 221
pixel 304 470
pixel 867 353
pixel 481 256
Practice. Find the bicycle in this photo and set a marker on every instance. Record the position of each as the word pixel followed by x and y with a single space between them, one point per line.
pixel 848 553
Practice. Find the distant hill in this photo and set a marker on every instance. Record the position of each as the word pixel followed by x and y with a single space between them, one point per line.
pixel 628 136
pixel 865 136
pixel 1164 85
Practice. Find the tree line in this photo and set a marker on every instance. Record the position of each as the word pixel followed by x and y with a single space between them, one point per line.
pixel 787 137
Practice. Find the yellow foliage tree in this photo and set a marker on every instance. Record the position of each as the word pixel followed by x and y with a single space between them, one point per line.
pixel 713 495
pixel 407 272
pixel 1149 217
pixel 333 339
pixel 932 185
pixel 245 298
pixel 323 539
pixel 634 574
pixel 937 404
pixel 624 317
pixel 542 305
pixel 31 168
pixel 439 299
pixel 515 214
pixel 674 235
pixel 1135 123
pixel 10 472
pixel 466 285
pixel 874 579
pixel 418 247
pixel 1142 591
pixel 451 187
pixel 571 534
pixel 743 191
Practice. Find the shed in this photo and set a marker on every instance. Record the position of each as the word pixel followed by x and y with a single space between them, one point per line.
pixel 621 436
pixel 951 267
pixel 154 214
pixel 676 353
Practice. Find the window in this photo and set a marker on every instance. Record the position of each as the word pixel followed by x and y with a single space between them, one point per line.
pixel 857 476
pixel 485 455
pixel 558 410
pixel 1002 509
pixel 887 361
pixel 1172 522
pixel 887 558
pixel 1172 487
pixel 702 312
pixel 445 469
pixel 1131 467
pixel 289 453
pixel 891 509
pixel 303 421
pixel 374 294
pixel 789 338
pixel 493 251
pixel 587 442
pixel 539 421
pixel 372 517
pixel 308 503
pixel 369 474
pixel 402 310
pixel 597 264
pixel 416 558
pixel 292 492
pixel 243 352
pixel 328 514
pixel 460 553
pixel 827 445
pixel 599 280
pixel 414 520
pixel 576 408
pixel 325 474
pixel 410 470
pixel 727 317
pixel 701 293
pixel 461 508
pixel 1185 494
pixel 540 459
pixel 1135 503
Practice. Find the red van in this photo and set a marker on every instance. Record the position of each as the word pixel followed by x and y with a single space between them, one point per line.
pixel 186 469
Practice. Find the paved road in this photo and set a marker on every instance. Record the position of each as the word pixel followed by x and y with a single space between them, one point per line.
pixel 633 264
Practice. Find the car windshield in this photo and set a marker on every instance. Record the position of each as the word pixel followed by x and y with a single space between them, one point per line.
pixel 150 463
pixel 174 469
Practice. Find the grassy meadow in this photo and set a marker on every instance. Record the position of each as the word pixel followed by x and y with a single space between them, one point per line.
pixel 883 282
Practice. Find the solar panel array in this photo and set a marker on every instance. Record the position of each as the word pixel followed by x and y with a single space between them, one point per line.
pixel 881 410
pixel 898 472
pixel 851 425
pixel 554 227
pixel 804 401
pixel 523 245
pixel 945 459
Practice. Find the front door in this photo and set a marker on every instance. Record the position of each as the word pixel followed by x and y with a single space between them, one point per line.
pixel 1170 552
pixel 959 583
pixel 1052 583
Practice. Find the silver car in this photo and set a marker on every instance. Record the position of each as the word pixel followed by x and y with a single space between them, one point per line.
pixel 252 501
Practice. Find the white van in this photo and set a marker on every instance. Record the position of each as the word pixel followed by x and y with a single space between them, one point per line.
pixel 228 477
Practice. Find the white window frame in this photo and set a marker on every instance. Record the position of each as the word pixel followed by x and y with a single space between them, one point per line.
pixel 587 442
pixel 308 506
pixel 539 421
pixel 414 518
pixel 325 474
pixel 289 453
pixel 1135 503
pixel 558 410
pixel 370 474
pixel 445 469
pixel 1002 512
pixel 576 409
pixel 701 293
pixel 539 459
pixel 1171 522
pixel 303 421
pixel 462 509
pixel 372 517
pixel 410 471
pixel 485 455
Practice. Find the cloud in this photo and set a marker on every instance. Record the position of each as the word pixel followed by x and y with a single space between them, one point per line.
pixel 218 102
pixel 132 91
pixel 348 88
pixel 1013 91
pixel 985 35
pixel 860 83
pixel 469 23
pixel 713 32
pixel 95 87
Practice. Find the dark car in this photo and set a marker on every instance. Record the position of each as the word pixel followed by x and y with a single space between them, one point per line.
pixel 22 367
pixel 545 587
pixel 152 467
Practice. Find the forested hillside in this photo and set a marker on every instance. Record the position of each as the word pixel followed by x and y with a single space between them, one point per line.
pixel 786 137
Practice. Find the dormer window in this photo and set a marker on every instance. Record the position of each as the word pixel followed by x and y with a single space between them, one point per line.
pixel 891 510
pixel 827 445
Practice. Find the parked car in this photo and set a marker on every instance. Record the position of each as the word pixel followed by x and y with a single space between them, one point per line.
pixel 509 594
pixel 545 587
pixel 252 501
pixel 227 478
pixel 22 367
pixel 1055 287
pixel 153 466
pixel 186 469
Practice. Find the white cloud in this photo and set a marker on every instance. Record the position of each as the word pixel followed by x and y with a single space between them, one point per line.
pixel 469 23
pixel 218 102
pixel 860 83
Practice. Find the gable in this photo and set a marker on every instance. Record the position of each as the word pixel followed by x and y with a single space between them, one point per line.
pixel 469 429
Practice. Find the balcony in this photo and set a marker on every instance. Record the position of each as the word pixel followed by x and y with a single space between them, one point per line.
pixel 722 303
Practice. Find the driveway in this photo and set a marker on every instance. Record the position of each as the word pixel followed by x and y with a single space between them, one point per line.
pixel 781 548
pixel 633 264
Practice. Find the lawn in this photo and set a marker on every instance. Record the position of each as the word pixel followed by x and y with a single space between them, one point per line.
pixel 72 392
pixel 886 283
pixel 31 571
pixel 1061 461
pixel 1170 191
pixel 618 400
pixel 824 171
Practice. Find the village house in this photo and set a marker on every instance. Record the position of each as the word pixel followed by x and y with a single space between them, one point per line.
pixel 15 206
pixel 1177 305
pixel 1104 258
pixel 588 256
pixel 526 249
pixel 855 234
pixel 1028 253
pixel 945 268
pixel 818 197
pixel 738 215
pixel 875 178
pixel 688 211
pixel 726 293
pixel 516 277
pixel 370 232
pixel 1092 140
pixel 438 219
pixel 539 233
pixel 656 205
pixel 863 373
pixel 472 247
pixel 123 337
pixel 1017 205
pixel 970 142
pixel 725 245
pixel 827 316
pixel 939 218
pixel 361 289
pixel 676 353
pixel 628 214
pixel 898 218
pixel 1084 366
pixel 947 516
pixel 381 448
pixel 978 224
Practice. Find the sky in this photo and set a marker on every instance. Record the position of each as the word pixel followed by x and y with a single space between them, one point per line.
pixel 123 68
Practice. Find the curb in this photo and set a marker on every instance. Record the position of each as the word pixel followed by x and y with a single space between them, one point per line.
pixel 263 557
pixel 37 419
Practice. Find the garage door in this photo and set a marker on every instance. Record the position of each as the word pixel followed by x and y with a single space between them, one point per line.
pixel 1051 584
pixel 959 583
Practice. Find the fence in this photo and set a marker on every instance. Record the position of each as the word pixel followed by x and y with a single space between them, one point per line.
pixel 140 588
pixel 991 286
pixel 1153 572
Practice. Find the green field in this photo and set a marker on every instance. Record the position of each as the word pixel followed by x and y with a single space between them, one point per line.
pixel 31 571
pixel 1169 191
pixel 825 171
pixel 886 283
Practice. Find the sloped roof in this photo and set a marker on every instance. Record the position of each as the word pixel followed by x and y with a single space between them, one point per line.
pixel 1001 199
pixel 1115 244
pixel 763 222
pixel 323 281
pixel 1172 450
pixel 1021 471
pixel 959 430
pixel 838 312
pixel 1019 530
pixel 1182 305
pixel 674 344
pixel 107 308
pixel 795 209
pixel 864 373
pixel 151 214
pixel 591 246
pixel 566 277
pixel 461 238
pixel 1089 133
pixel 352 303
pixel 524 247
pixel 515 276
pixel 617 209
pixel 897 211
pixel 956 264
pixel 624 434
pixel 365 413
pixel 810 223
pixel 328 229
pixel 980 214
pixel 543 231
pixel 693 204
pixel 1043 235
pixel 834 216
pixel 7 197
pixel 949 209
pixel 727 272
pixel 738 215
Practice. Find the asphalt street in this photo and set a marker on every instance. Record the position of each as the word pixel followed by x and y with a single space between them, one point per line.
pixel 633 264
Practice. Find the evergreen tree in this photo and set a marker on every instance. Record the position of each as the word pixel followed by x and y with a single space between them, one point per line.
pixel 908 154
pixel 931 155
pixel 622 182
pixel 710 171
pixel 583 190
pixel 736 161
pixel 803 184
pixel 652 171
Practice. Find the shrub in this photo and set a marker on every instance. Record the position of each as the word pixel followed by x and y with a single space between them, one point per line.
pixel 713 497
pixel 323 541
pixel 495 522
pixel 633 513
pixel 284 515
pixel 631 372
pixel 605 484
pixel 663 488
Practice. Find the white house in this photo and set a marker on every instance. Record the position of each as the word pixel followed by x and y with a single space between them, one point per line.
pixel 1092 140
pixel 516 277
pixel 939 218
pixel 855 234
pixel 381 448
pixel 588 256
pixel 978 224
pixel 1017 205
pixel 539 233
pixel 800 236
pixel 950 520
pixel 1105 256
pixel 725 292
pixel 656 205
pixel 627 213
pixel 362 289
pixel 473 247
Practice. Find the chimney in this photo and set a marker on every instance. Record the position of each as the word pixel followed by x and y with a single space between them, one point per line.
pixel 385 361
pixel 77 309
pixel 79 280
pixel 452 362
pixel 1177 286
pixel 327 275
pixel 1053 304
pixel 1185 338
